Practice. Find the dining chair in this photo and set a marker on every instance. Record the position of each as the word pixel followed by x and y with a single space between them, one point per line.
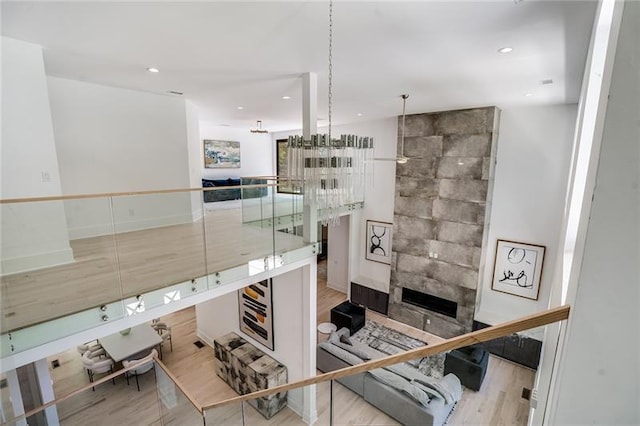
pixel 96 365
pixel 164 330
pixel 141 369
pixel 89 346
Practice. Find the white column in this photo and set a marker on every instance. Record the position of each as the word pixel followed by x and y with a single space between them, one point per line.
pixel 309 318
pixel 309 127
pixel 16 396
pixel 46 391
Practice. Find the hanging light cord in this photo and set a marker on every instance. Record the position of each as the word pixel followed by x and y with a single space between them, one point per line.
pixel 404 104
pixel 330 63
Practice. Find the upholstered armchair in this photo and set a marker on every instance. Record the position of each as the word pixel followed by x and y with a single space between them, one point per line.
pixel 141 367
pixel 96 365
pixel 164 330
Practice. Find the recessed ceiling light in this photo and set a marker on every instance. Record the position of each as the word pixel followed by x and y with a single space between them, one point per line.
pixel 286 98
pixel 153 70
pixel 528 95
pixel 505 50
pixel 240 107
pixel 359 114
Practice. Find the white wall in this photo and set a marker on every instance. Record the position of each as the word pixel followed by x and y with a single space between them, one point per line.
pixel 118 140
pixel 338 267
pixel 33 235
pixel 256 157
pixel 533 158
pixel 600 364
pixel 193 153
pixel 219 316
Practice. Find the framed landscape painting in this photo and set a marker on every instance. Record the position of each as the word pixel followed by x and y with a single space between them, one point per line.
pixel 221 154
pixel 518 268
pixel 378 243
pixel 256 312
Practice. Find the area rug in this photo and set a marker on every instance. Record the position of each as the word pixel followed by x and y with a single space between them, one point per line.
pixel 391 342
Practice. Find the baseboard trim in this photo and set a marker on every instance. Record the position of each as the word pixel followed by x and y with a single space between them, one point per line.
pixel 32 262
pixel 102 229
pixel 204 337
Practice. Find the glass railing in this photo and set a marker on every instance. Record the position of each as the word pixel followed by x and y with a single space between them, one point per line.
pixel 276 205
pixel 77 262
pixel 144 393
pixel 389 377
pixel 384 376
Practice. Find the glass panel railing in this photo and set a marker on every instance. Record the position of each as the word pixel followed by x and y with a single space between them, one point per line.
pixel 175 406
pixel 234 250
pixel 6 409
pixel 381 375
pixel 277 408
pixel 143 393
pixel 256 198
pixel 231 414
pixel 427 390
pixel 160 242
pixel 75 263
pixel 59 267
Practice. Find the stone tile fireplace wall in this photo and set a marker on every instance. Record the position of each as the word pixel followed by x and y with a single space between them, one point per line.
pixel 439 216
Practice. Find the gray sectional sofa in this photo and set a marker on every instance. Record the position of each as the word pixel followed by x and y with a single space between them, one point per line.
pixel 401 391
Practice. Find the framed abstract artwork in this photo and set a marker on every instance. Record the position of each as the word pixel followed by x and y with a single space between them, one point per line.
pixel 221 154
pixel 518 269
pixel 255 304
pixel 378 243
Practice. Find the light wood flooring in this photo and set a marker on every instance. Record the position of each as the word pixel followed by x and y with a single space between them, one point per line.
pixel 499 401
pixel 148 260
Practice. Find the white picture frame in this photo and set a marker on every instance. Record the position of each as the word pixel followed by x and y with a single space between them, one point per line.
pixel 378 241
pixel 255 307
pixel 518 269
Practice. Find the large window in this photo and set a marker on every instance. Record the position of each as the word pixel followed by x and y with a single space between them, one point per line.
pixel 281 167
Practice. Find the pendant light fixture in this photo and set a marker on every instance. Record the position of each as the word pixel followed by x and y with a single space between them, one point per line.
pixel 259 129
pixel 401 159
pixel 333 172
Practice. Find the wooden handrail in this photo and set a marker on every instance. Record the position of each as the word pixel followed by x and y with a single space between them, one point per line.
pixel 111 376
pixel 124 194
pixel 532 321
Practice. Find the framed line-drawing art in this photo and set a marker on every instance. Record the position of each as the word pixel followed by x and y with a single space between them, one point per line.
pixel 518 268
pixel 221 154
pixel 378 243
pixel 256 312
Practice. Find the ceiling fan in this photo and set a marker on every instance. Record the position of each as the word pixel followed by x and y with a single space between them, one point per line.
pixel 401 158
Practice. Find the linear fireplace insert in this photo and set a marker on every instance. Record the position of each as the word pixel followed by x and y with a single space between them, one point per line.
pixel 430 302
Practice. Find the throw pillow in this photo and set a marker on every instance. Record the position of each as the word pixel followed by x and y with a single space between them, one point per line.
pixel 344 339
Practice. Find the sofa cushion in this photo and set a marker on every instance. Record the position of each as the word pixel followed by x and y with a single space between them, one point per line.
pixel 341 353
pixel 401 384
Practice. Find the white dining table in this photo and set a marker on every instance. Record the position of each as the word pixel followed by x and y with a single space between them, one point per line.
pixel 121 347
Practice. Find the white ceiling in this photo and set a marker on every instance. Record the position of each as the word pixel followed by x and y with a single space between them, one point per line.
pixel 228 54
